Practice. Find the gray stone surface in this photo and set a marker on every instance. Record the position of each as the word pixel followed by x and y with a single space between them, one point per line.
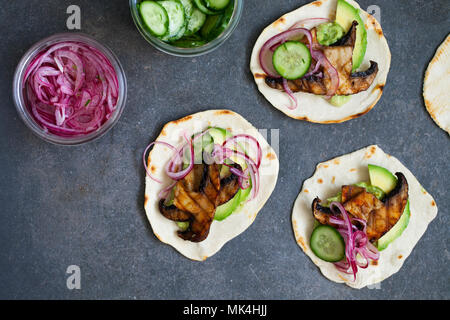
pixel 84 205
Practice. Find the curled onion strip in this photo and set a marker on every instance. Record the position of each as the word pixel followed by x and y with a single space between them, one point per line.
pixel 290 94
pixel 71 89
pixel 219 155
pixel 266 53
pixel 356 241
pixel 311 22
pixel 223 153
pixel 253 142
pixel 172 165
pixel 322 60
pixel 145 152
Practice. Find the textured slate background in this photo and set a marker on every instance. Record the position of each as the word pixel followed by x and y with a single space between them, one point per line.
pixel 84 205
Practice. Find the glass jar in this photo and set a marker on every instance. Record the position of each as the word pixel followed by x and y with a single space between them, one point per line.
pixel 187 52
pixel 19 90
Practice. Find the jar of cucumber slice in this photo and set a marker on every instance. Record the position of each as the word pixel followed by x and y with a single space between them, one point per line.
pixel 186 27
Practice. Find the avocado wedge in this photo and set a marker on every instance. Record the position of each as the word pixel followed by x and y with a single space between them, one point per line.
pixel 396 230
pixel 345 15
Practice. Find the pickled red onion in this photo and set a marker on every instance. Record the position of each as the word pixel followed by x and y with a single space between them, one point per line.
pixel 356 241
pixel 219 154
pixel 71 89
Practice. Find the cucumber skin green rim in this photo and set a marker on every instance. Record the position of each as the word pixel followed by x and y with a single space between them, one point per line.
pixel 166 24
pixel 167 37
pixel 201 6
pixel 210 5
pixel 322 226
pixel 198 27
pixel 284 45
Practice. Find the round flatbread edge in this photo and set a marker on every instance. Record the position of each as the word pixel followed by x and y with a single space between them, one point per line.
pixel 352 168
pixel 435 86
pixel 315 108
pixel 221 231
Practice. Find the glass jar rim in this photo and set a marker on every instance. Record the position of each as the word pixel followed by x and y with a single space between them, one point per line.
pixel 18 92
pixel 187 52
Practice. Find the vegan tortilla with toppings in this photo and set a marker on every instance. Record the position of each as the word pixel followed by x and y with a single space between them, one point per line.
pixel 325 62
pixel 208 175
pixel 388 208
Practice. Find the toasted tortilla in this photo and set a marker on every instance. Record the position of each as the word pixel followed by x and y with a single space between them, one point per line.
pixel 435 86
pixel 312 107
pixel 221 231
pixel 352 168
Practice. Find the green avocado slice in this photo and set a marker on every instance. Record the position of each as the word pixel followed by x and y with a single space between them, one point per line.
pixel 345 15
pixel 396 231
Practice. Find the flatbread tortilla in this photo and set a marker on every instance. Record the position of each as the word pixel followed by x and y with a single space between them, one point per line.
pixel 436 86
pixel 352 168
pixel 315 108
pixel 221 231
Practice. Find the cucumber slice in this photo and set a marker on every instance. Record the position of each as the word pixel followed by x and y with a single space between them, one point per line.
pixel 202 7
pixel 177 19
pixel 327 244
pixel 188 7
pixel 224 21
pixel 196 21
pixel 217 4
pixel 155 18
pixel 211 23
pixel 292 60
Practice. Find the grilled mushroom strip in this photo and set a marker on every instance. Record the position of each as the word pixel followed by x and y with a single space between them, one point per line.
pixel 380 216
pixel 196 198
pixel 229 186
pixel 340 56
pixel 173 213
pixel 197 194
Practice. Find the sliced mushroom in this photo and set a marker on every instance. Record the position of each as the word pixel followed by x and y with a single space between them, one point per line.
pixel 380 216
pixel 383 219
pixel 173 213
pixel 340 55
pixel 229 186
pixel 199 200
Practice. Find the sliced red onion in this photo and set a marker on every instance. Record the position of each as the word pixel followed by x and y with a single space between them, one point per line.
pixel 165 191
pixel 178 175
pixel 290 94
pixel 74 81
pixel 145 152
pixel 312 22
pixel 265 54
pixel 322 60
pixel 222 153
pixel 356 241
pixel 219 155
pixel 253 142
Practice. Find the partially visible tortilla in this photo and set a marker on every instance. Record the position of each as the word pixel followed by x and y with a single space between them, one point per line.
pixel 312 107
pixel 436 86
pixel 221 231
pixel 352 168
